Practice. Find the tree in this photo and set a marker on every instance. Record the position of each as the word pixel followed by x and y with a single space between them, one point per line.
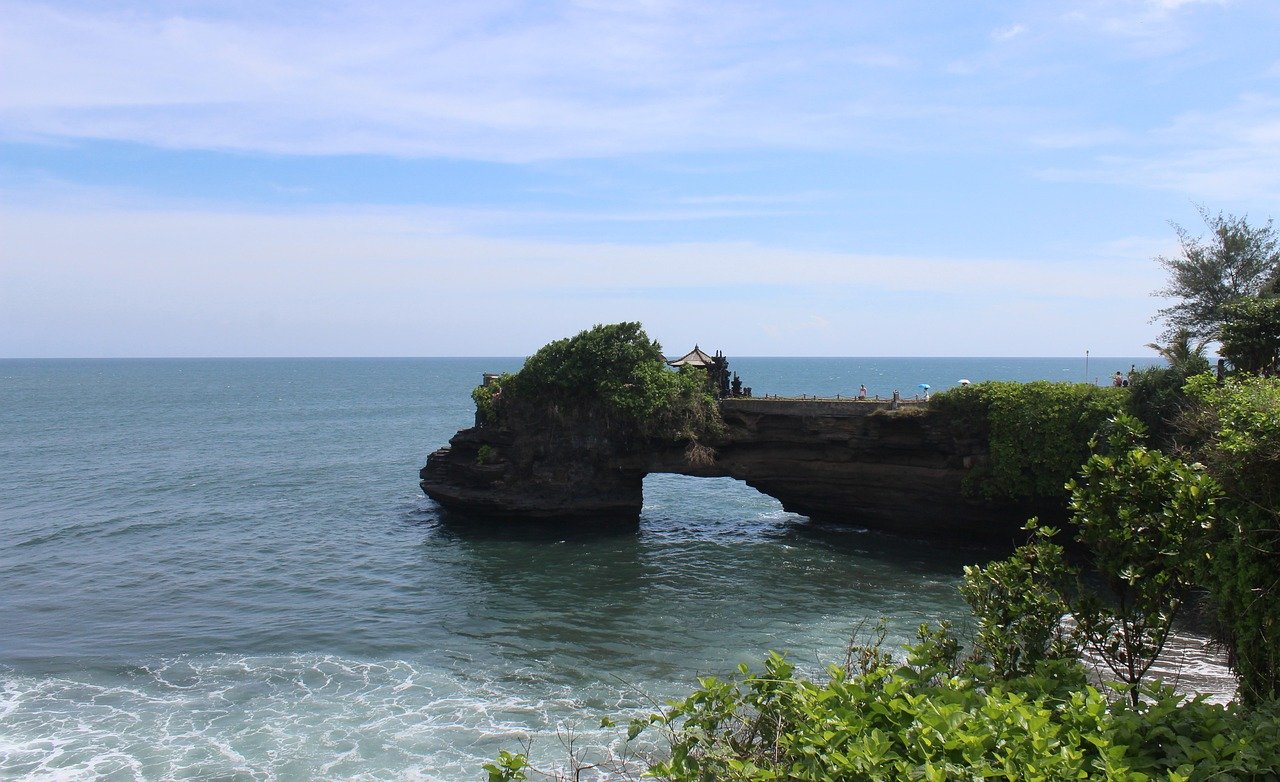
pixel 1183 352
pixel 1019 603
pixel 617 371
pixel 1238 261
pixel 1143 516
pixel 1251 335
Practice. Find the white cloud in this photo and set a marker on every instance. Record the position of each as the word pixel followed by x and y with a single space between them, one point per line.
pixel 484 79
pixel 1148 28
pixel 1230 155
pixel 113 282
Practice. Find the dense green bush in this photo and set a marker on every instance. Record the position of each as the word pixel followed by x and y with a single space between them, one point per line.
pixel 1157 400
pixel 1235 431
pixel 1251 334
pixel 921 721
pixel 1019 603
pixel 615 369
pixel 1144 516
pixel 1038 433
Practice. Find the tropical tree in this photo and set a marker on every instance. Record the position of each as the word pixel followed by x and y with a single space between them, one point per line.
pixel 1238 260
pixel 1251 335
pixel 1183 351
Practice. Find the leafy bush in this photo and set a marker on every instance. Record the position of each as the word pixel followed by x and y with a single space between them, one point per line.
pixel 1038 433
pixel 1143 516
pixel 1251 334
pixel 1019 603
pixel 617 369
pixel 1236 432
pixel 912 722
pixel 488 398
pixel 1157 400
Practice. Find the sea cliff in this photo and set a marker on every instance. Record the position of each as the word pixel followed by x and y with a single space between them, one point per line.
pixel 865 463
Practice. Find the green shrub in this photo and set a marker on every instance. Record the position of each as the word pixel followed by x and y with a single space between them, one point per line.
pixel 910 723
pixel 1251 334
pixel 1157 400
pixel 488 399
pixel 615 369
pixel 1019 603
pixel 1235 431
pixel 1144 517
pixel 1038 433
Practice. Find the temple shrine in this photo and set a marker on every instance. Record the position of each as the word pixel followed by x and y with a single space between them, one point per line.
pixel 717 368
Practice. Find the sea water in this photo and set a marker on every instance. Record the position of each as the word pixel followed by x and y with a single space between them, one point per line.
pixel 225 570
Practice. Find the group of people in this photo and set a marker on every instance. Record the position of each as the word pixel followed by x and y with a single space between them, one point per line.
pixel 1120 381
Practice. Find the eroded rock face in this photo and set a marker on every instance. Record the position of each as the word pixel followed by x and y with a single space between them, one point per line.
pixel 847 461
pixel 541 464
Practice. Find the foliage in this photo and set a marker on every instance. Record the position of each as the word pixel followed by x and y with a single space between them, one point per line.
pixel 1183 352
pixel 1038 433
pixel 488 398
pixel 618 369
pixel 509 767
pixel 1236 432
pixel 1251 334
pixel 1238 260
pixel 908 723
pixel 1157 399
pixel 1019 603
pixel 1142 515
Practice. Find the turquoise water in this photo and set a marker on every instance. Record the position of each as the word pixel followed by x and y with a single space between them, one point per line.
pixel 224 569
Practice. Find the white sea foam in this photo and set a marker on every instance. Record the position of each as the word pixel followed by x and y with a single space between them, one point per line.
pixel 282 718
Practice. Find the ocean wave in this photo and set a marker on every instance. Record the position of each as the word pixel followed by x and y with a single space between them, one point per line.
pixel 285 718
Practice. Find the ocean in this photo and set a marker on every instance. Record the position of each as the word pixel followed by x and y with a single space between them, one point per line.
pixel 223 569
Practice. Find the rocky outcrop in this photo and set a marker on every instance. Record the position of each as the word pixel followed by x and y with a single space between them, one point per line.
pixel 856 462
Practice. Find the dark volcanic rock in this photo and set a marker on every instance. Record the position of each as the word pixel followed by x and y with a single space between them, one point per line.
pixel 538 466
pixel 854 462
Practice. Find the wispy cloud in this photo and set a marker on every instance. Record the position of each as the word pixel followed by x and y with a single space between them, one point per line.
pixel 188 279
pixel 1229 155
pixel 1008 33
pixel 483 79
pixel 1147 28
pixel 498 80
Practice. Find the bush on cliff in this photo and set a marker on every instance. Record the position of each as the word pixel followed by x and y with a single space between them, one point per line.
pixel 616 369
pixel 1038 433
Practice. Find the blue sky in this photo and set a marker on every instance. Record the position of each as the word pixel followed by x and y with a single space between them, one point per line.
pixel 766 178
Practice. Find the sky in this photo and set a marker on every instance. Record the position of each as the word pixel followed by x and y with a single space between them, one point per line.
pixel 805 178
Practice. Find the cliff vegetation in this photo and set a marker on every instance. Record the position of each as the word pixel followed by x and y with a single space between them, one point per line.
pixel 614 371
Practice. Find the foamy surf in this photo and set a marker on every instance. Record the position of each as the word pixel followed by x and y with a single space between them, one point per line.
pixel 287 718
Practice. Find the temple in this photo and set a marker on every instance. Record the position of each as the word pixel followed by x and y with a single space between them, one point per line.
pixel 717 368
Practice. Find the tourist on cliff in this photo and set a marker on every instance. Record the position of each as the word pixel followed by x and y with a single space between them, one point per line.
pixel 862 392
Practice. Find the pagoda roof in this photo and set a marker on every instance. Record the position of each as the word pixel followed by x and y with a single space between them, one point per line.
pixel 694 358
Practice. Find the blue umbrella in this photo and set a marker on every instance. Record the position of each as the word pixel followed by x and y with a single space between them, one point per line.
pixel 925 386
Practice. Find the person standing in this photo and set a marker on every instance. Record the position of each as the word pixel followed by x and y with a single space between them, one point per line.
pixel 862 392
